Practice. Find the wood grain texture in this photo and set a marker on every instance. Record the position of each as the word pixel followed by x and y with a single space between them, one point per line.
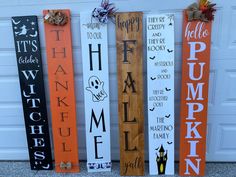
pixel 62 94
pixel 130 92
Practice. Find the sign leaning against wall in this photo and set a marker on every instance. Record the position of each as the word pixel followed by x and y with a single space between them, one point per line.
pixel 61 87
pixel 129 46
pixel 96 93
pixel 160 81
pixel 29 61
pixel 197 23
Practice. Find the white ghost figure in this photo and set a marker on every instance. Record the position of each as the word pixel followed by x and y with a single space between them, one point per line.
pixel 96 88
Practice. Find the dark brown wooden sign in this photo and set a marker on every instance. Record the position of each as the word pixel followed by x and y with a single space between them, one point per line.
pixel 28 56
pixel 130 92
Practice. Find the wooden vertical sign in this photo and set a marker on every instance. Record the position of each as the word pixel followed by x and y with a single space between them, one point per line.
pixel 62 95
pixel 96 93
pixel 28 56
pixel 160 81
pixel 194 96
pixel 130 92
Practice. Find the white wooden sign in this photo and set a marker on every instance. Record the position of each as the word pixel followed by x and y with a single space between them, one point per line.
pixel 160 78
pixel 96 93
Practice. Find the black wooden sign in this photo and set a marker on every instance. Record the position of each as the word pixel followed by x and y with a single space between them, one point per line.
pixel 28 56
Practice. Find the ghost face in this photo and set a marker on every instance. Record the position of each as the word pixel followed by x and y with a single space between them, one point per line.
pixel 94 82
pixel 96 88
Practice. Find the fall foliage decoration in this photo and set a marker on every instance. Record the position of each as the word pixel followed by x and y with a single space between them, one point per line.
pixel 204 11
pixel 56 17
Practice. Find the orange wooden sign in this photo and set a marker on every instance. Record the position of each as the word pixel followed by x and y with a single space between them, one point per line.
pixel 130 92
pixel 194 96
pixel 62 95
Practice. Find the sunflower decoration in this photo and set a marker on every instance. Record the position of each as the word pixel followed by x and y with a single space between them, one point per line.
pixel 204 11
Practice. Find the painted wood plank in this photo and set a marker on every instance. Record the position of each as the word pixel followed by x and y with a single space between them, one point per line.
pixel 96 93
pixel 30 70
pixel 194 96
pixel 62 95
pixel 160 88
